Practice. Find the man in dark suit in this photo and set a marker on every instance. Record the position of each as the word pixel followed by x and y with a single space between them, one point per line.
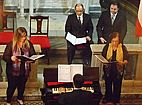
pixel 110 21
pixel 80 25
pixel 77 96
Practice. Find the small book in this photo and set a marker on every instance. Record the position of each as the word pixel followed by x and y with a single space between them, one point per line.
pixel 67 72
pixel 75 41
pixel 32 58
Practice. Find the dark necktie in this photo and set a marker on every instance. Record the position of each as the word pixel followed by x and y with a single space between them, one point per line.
pixel 79 20
pixel 112 19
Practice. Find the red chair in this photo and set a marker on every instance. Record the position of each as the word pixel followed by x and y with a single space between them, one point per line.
pixel 5 37
pixel 8 19
pixel 39 26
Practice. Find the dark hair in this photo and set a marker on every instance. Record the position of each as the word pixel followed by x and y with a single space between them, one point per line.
pixel 114 35
pixel 114 2
pixel 78 80
pixel 79 4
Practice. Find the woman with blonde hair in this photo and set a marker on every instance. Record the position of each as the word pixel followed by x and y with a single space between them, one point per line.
pixel 117 54
pixel 17 70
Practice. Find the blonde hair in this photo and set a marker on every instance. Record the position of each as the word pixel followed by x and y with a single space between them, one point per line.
pixel 18 35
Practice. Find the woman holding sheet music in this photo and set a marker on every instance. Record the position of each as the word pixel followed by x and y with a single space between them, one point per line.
pixel 117 54
pixel 17 70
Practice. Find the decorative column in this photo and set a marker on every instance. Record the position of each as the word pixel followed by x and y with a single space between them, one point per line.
pixel 86 6
pixel 31 8
pixel 22 8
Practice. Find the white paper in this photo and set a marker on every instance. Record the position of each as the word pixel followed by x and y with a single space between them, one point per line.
pixel 66 72
pixel 71 38
pixel 101 58
pixel 76 69
pixel 33 57
pixel 75 41
pixel 80 40
pixel 63 73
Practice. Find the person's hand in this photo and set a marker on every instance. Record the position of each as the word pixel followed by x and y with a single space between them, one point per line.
pixel 14 59
pixel 30 61
pixel 103 40
pixel 122 62
pixel 88 38
pixel 62 90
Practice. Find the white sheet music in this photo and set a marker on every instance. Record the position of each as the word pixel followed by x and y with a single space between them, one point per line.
pixel 80 40
pixel 101 58
pixel 34 57
pixel 76 69
pixel 71 38
pixel 66 72
pixel 75 41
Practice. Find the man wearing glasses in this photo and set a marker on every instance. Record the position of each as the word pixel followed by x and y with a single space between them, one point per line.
pixel 79 25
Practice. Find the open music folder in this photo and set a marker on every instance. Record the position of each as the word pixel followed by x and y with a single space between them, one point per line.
pixel 32 58
pixel 103 60
pixel 75 41
pixel 66 72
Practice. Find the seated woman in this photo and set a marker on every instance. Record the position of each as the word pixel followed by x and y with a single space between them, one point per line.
pixel 116 53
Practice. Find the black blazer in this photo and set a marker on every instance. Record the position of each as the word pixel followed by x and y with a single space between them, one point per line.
pixel 72 25
pixel 77 97
pixel 104 26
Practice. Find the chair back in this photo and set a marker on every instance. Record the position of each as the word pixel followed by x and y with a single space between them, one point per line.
pixel 39 25
pixel 8 21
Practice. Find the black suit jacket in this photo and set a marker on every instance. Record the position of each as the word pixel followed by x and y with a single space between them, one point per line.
pixel 104 26
pixel 73 26
pixel 77 97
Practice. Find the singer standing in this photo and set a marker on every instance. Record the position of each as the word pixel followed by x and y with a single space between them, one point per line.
pixel 113 20
pixel 80 25
pixel 116 53
pixel 17 70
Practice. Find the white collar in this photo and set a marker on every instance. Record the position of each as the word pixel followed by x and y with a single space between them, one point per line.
pixel 81 16
pixel 114 14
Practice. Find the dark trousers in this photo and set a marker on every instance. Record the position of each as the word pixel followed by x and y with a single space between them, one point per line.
pixel 13 83
pixel 86 53
pixel 113 87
